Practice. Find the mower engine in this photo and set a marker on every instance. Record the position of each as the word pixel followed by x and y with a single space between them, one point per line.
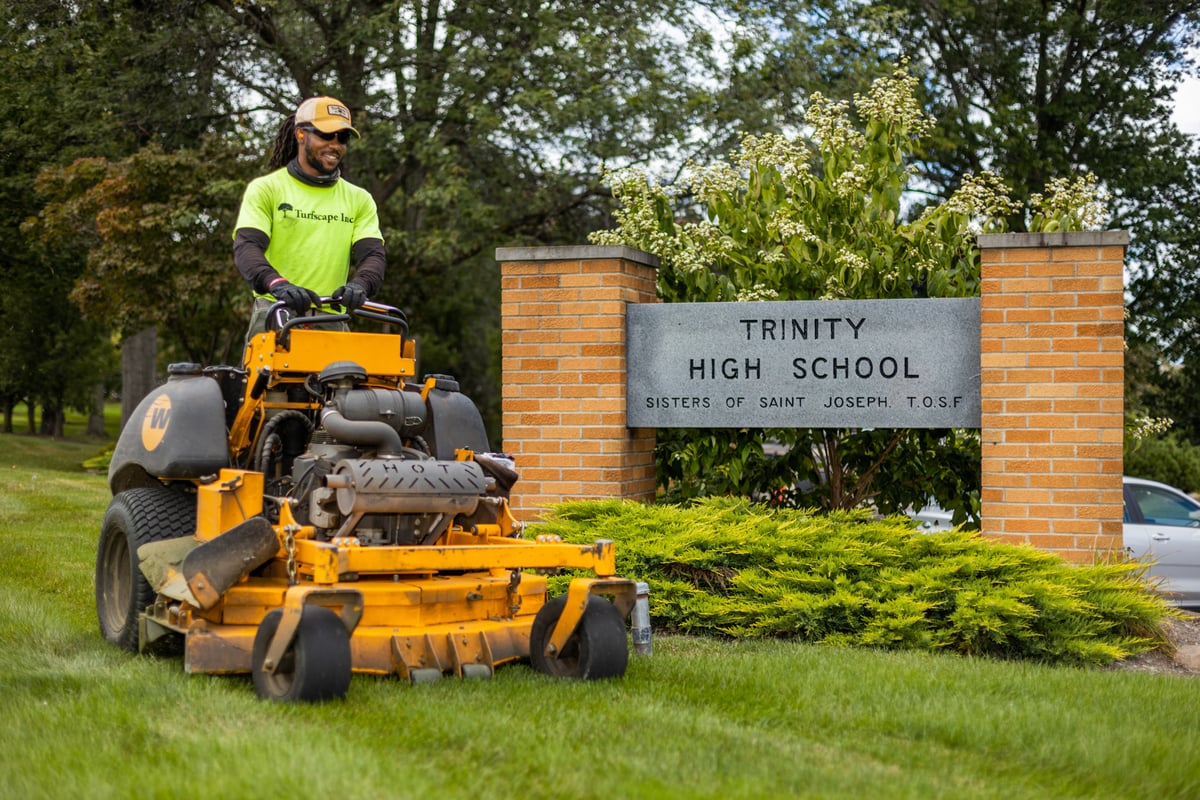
pixel 368 471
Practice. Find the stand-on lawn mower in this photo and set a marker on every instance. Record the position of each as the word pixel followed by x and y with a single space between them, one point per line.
pixel 317 512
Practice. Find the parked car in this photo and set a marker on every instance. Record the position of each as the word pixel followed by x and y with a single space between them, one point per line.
pixel 1162 526
pixel 933 518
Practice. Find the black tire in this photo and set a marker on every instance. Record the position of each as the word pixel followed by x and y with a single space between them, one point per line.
pixel 134 518
pixel 597 649
pixel 316 667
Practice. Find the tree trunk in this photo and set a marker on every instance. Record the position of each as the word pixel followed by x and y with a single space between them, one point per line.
pixel 52 420
pixel 95 425
pixel 9 405
pixel 139 353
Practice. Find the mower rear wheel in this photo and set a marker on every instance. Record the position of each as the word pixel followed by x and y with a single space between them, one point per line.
pixel 597 648
pixel 135 517
pixel 315 667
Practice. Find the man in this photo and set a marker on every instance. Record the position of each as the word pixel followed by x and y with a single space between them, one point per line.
pixel 302 226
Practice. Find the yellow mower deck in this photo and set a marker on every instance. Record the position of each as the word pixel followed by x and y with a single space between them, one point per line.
pixel 419 629
pixel 406 614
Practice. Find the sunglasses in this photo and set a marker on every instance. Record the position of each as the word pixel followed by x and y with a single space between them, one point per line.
pixel 342 136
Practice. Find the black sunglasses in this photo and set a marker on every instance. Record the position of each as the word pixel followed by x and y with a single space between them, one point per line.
pixel 343 136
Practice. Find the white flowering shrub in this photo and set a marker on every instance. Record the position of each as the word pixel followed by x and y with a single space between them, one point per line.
pixel 1140 426
pixel 1074 205
pixel 823 217
pixel 816 218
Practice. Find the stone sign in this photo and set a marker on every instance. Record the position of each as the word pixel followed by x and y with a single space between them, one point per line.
pixel 810 364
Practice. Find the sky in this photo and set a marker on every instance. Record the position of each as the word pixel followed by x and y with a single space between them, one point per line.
pixel 1187 106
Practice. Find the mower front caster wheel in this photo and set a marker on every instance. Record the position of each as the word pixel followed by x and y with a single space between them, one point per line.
pixel 316 665
pixel 597 648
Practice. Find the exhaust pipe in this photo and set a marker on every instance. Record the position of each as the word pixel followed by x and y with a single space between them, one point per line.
pixel 369 433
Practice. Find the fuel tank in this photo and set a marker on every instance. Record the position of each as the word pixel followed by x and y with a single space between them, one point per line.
pixel 454 420
pixel 176 433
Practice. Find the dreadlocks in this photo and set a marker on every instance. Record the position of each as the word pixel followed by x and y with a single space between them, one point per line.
pixel 286 147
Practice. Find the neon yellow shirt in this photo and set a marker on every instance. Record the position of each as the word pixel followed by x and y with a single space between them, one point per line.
pixel 311 228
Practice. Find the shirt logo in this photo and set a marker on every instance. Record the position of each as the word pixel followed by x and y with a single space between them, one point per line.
pixel 286 208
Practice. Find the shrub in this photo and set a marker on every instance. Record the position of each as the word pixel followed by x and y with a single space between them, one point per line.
pixel 1169 459
pixel 723 567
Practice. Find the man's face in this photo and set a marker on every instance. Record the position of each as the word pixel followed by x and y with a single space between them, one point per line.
pixel 319 156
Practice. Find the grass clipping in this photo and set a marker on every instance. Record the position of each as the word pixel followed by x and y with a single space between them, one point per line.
pixel 725 567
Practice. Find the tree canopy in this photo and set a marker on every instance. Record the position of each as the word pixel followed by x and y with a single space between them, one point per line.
pixel 1039 89
pixel 487 125
pixel 482 125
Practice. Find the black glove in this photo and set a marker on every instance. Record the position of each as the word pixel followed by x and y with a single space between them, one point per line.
pixel 351 296
pixel 297 298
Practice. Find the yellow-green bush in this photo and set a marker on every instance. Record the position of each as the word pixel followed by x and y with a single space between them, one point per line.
pixel 725 567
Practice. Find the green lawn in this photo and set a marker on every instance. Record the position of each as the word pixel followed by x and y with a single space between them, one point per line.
pixel 699 718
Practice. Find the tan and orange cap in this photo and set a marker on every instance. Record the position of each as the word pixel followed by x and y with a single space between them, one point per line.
pixel 326 114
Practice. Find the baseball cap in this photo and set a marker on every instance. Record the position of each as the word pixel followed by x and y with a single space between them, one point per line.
pixel 326 114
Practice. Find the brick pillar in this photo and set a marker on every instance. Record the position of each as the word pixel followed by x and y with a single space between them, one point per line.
pixel 1053 338
pixel 563 373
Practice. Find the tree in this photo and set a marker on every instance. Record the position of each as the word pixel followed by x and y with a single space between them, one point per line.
pixel 1039 89
pixel 154 232
pixel 483 125
pixel 156 229
pixel 1034 89
pixel 43 344
pixel 94 80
